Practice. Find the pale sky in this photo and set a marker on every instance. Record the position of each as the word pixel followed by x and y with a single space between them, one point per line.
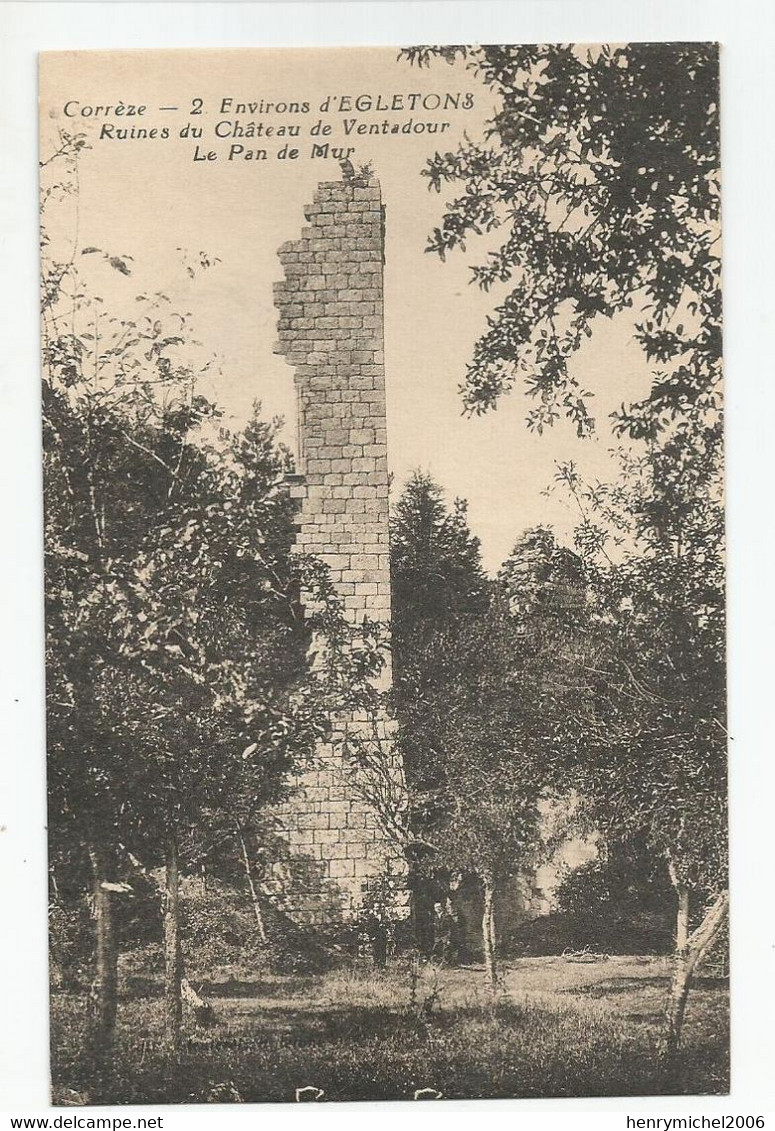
pixel 147 198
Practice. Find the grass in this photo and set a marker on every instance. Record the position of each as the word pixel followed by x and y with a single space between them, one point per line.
pixel 557 1029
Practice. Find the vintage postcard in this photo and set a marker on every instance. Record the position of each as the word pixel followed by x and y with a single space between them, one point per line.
pixel 383 456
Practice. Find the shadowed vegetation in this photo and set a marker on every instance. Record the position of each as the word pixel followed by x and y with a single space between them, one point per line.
pixel 559 1029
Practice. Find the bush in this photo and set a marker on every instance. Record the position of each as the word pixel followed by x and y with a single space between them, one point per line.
pixel 70 944
pixel 620 903
pixel 219 928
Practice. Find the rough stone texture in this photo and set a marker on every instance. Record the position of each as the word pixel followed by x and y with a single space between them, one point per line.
pixel 331 332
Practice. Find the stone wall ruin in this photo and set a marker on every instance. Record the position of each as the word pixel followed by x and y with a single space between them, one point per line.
pixel 331 332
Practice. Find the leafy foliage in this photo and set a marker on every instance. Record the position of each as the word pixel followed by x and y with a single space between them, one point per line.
pixel 654 730
pixel 180 689
pixel 600 165
pixel 470 709
pixel 436 571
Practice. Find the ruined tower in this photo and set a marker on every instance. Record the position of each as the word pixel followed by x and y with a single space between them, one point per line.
pixel 331 332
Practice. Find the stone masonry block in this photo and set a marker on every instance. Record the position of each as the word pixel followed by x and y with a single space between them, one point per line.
pixel 314 821
pixel 341 868
pixel 325 836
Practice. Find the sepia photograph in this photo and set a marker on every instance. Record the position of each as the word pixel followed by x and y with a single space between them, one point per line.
pixel 383 466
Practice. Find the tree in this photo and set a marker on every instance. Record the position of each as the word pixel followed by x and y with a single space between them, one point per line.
pixel 180 692
pixel 601 165
pixel 437 581
pixel 483 806
pixel 654 733
pixel 474 744
pixel 436 569
pixel 176 654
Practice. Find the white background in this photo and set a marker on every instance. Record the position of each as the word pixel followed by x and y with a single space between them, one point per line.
pixel 746 30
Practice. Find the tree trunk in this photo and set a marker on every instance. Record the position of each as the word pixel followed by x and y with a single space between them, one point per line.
pixel 682 918
pixel 252 888
pixel 104 988
pixel 203 1011
pixel 488 935
pixel 686 958
pixel 422 913
pixel 173 953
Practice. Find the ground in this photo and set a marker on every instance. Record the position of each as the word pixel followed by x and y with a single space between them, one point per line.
pixel 558 1028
